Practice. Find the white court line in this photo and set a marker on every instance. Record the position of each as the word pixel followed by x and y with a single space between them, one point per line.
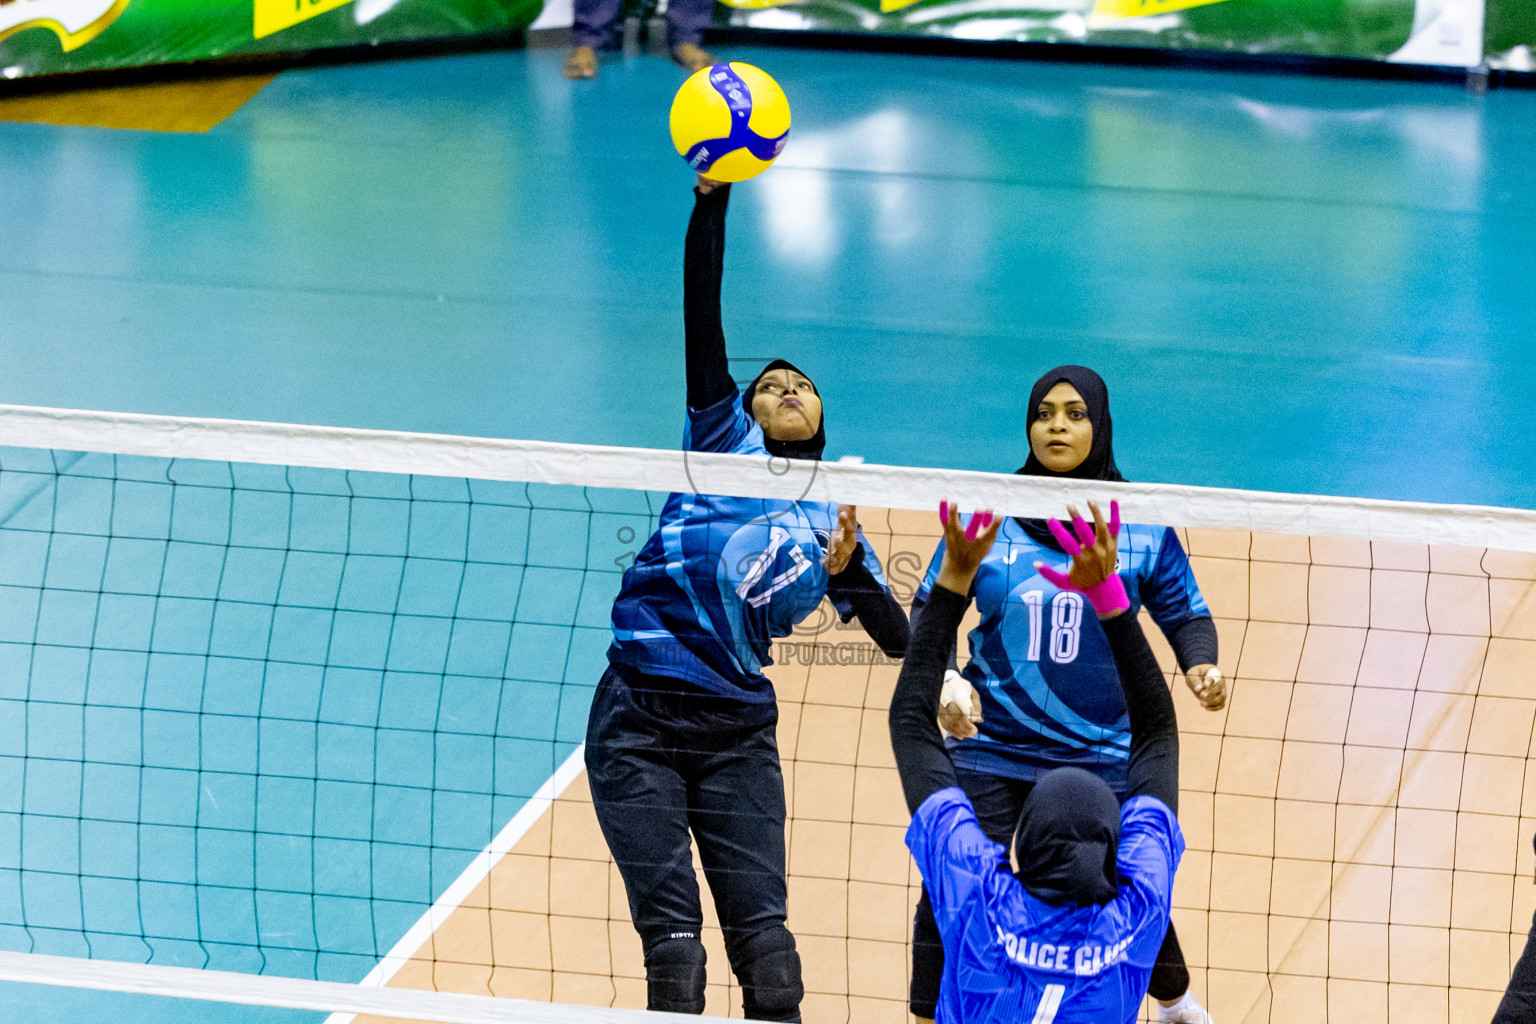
pixel 476 872
pixel 304 994
pixel 753 476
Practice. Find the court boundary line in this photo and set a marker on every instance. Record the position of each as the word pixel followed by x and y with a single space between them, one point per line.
pixel 306 994
pixel 477 871
pixel 650 469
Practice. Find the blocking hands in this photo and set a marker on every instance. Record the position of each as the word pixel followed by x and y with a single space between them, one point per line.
pixel 1094 554
pixel 964 546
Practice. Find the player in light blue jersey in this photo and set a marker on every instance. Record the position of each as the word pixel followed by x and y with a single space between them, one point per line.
pixel 681 736
pixel 1040 689
pixel 1073 936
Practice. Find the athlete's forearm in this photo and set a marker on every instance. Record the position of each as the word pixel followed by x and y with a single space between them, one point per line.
pixel 1193 642
pixel 709 371
pixel 921 759
pixel 878 612
pixel 953 661
pixel 1154 765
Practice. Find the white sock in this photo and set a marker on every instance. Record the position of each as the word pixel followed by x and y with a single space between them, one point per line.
pixel 1187 1002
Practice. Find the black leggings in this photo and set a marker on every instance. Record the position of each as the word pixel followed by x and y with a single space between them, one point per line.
pixel 998 802
pixel 665 759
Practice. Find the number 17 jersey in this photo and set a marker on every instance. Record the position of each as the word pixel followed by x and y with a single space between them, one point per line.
pixel 723 576
pixel 1049 689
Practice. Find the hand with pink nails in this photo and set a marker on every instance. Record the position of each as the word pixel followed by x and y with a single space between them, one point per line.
pixel 1094 554
pixel 964 547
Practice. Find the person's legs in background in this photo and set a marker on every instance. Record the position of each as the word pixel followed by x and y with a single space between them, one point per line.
pixel 686 22
pixel 594 28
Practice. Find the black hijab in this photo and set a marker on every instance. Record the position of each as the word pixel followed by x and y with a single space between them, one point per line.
pixel 1068 839
pixel 1100 463
pixel 812 446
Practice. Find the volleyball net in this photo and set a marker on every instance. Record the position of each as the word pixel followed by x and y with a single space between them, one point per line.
pixel 292 717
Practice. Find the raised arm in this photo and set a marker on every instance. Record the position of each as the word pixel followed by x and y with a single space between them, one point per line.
pixel 1154 765
pixel 709 371
pixel 921 759
pixel 919 602
pixel 1154 762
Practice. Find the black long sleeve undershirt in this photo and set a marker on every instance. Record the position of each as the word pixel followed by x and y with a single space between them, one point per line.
pixel 709 381
pixel 1193 642
pixel 951 660
pixel 709 370
pixel 921 760
pixel 878 612
pixel 1154 764
pixel 924 764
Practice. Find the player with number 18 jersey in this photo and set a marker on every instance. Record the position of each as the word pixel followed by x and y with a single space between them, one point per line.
pixel 1040 661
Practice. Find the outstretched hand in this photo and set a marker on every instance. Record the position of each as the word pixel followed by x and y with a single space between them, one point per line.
pixel 707 185
pixel 844 539
pixel 1094 554
pixel 964 547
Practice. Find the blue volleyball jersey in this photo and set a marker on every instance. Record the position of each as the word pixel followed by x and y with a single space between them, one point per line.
pixel 1010 957
pixel 722 577
pixel 1050 693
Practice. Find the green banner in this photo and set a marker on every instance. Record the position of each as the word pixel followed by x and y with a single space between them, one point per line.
pixel 45 36
pixel 1512 34
pixel 48 36
pixel 1442 32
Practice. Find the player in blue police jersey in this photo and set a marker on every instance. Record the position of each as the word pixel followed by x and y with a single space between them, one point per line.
pixel 1073 935
pixel 681 735
pixel 1040 686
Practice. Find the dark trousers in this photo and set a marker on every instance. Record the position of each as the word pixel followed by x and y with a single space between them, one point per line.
pixel 666 760
pixel 597 22
pixel 1519 1003
pixel 998 802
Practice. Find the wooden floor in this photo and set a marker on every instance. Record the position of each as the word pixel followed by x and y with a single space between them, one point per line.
pixel 1358 820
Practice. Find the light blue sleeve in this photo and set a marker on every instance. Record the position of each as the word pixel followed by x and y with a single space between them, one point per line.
pixel 1169 590
pixel 934 564
pixel 723 427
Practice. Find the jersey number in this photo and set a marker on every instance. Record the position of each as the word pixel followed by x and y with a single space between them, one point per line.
pixel 1050 1002
pixel 776 539
pixel 1066 624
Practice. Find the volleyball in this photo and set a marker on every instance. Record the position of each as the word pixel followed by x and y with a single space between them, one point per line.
pixel 730 121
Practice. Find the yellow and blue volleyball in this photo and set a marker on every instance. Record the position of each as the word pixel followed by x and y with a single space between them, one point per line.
pixel 730 121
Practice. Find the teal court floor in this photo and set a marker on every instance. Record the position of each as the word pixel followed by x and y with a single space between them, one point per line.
pixel 1291 284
